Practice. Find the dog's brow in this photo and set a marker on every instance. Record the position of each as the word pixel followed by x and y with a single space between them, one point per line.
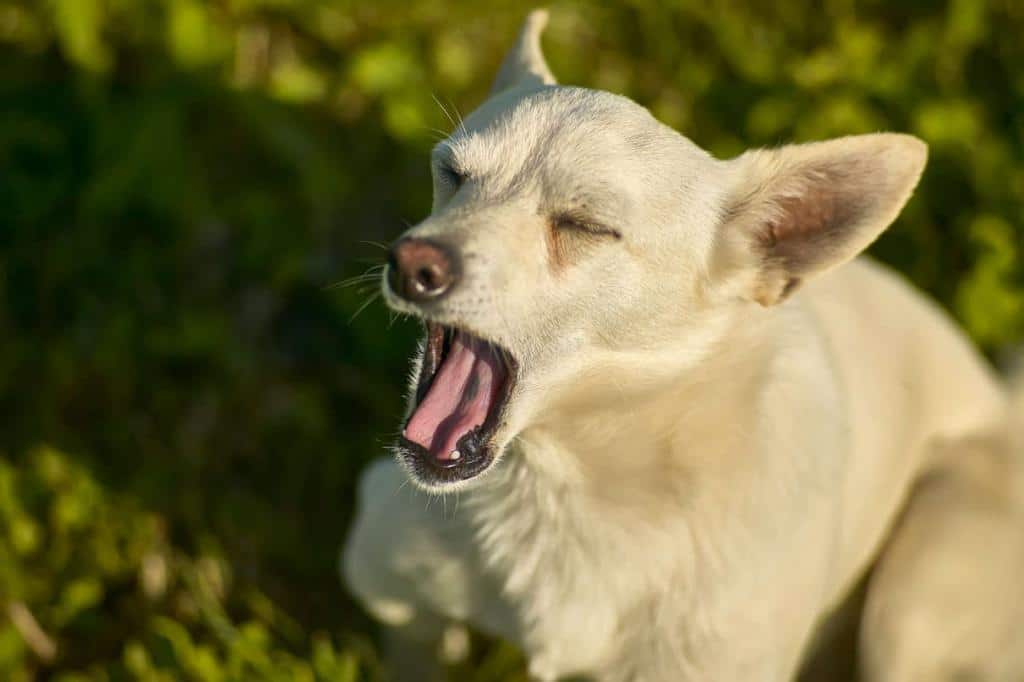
pixel 442 153
pixel 600 204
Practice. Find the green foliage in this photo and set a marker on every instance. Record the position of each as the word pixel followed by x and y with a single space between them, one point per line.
pixel 182 180
pixel 93 589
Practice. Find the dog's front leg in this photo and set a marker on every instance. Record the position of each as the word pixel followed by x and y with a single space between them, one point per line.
pixel 372 566
pixel 411 561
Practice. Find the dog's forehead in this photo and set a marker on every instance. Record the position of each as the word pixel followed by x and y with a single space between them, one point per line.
pixel 562 139
pixel 520 125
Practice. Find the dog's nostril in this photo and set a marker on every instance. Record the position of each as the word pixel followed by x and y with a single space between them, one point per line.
pixel 428 278
pixel 421 269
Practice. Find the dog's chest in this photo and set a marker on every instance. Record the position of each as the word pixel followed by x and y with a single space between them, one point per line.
pixel 584 587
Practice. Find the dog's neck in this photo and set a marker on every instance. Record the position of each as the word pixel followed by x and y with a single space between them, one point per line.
pixel 575 500
pixel 626 431
pixel 568 511
pixel 615 469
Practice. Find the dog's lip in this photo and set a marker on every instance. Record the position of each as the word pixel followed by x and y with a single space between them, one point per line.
pixel 477 446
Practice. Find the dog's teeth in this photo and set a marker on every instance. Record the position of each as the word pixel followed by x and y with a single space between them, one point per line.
pixel 455 454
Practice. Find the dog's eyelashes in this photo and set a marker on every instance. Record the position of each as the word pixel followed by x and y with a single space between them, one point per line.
pixel 450 176
pixel 571 236
pixel 569 222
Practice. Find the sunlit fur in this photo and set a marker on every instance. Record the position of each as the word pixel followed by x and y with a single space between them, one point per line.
pixel 718 417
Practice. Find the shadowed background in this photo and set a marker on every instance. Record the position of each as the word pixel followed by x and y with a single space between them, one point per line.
pixel 186 401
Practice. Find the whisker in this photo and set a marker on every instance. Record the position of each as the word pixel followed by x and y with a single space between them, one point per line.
pixel 371 274
pixel 462 124
pixel 351 281
pixel 361 308
pixel 438 134
pixel 366 289
pixel 373 271
pixel 443 109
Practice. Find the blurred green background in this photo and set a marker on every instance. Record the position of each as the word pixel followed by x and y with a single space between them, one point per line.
pixel 186 401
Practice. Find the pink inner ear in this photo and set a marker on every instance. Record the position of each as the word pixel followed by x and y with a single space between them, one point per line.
pixel 812 226
pixel 805 215
pixel 807 227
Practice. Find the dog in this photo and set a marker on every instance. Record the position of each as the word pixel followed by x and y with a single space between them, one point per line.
pixel 682 429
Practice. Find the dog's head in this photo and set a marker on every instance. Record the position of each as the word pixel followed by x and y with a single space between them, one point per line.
pixel 576 240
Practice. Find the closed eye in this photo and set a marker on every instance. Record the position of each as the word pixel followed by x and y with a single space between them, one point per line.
pixel 571 222
pixel 450 177
pixel 571 236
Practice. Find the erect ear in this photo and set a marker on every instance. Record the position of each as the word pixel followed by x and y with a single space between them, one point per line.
pixel 524 65
pixel 801 209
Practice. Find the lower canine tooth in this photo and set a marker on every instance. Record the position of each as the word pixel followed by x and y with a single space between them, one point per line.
pixel 455 454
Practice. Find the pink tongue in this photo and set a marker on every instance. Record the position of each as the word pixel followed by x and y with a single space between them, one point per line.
pixel 459 397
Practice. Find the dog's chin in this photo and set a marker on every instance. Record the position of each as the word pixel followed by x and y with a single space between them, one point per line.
pixel 426 473
pixel 462 394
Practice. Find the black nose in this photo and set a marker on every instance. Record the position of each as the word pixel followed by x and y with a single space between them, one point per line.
pixel 421 270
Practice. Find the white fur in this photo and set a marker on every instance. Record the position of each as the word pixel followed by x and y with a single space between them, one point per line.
pixel 711 439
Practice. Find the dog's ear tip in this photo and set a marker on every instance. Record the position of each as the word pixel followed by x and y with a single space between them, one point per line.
pixel 908 156
pixel 537 19
pixel 916 149
pixel 907 143
pixel 910 149
pixel 525 63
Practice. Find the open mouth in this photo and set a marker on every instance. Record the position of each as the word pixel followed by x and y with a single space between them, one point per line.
pixel 461 394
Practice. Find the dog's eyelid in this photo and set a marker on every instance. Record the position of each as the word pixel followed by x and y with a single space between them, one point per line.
pixel 450 173
pixel 446 166
pixel 573 221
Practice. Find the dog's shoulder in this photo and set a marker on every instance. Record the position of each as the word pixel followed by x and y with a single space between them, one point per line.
pixel 893 344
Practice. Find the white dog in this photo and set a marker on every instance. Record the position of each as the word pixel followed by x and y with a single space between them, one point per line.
pixel 682 431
